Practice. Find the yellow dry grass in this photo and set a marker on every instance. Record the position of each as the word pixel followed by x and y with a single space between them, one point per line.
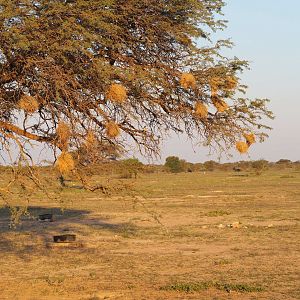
pixel 187 81
pixel 65 163
pixel 112 129
pixel 250 138
pixel 116 93
pixel 201 110
pixel 242 147
pixel 28 104
pixel 121 252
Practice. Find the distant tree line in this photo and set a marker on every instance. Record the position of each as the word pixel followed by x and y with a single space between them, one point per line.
pixel 132 167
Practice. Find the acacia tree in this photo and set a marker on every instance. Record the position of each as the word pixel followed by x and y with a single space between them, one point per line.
pixel 80 73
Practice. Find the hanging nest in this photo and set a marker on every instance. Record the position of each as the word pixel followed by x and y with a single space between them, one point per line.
pixel 112 129
pixel 215 84
pixel 187 81
pixel 220 104
pixel 116 93
pixel 242 147
pixel 65 163
pixel 28 104
pixel 63 133
pixel 230 82
pixel 201 110
pixel 90 140
pixel 250 138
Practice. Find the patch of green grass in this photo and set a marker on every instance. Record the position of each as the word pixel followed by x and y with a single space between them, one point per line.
pixel 240 287
pixel 205 285
pixel 222 262
pixel 218 213
pixel 187 287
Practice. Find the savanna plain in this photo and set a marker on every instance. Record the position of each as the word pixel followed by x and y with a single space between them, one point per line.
pixel 200 235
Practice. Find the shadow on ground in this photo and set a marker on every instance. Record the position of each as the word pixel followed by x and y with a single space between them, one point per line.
pixel 31 235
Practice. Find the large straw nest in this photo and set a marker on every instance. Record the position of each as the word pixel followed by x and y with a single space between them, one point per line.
pixel 219 104
pixel 28 104
pixel 242 147
pixel 201 110
pixel 63 133
pixel 187 80
pixel 116 93
pixel 65 163
pixel 250 138
pixel 112 129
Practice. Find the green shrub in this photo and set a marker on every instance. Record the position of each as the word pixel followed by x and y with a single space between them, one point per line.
pixel 174 165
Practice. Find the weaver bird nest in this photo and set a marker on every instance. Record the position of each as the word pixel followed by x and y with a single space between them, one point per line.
pixel 63 133
pixel 242 147
pixel 187 81
pixel 112 129
pixel 201 110
pixel 250 138
pixel 28 103
pixel 116 93
pixel 65 163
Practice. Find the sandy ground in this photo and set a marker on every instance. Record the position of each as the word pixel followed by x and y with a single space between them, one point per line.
pixel 214 228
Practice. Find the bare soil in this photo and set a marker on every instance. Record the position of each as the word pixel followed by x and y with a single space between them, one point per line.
pixel 234 237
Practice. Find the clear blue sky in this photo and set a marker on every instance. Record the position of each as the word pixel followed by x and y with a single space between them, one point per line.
pixel 266 33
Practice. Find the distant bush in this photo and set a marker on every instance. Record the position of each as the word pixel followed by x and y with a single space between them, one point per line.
pixel 174 165
pixel 210 165
pixel 259 166
pixel 130 168
pixel 283 161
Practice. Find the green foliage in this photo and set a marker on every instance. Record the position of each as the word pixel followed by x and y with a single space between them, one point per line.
pixel 130 168
pixel 174 165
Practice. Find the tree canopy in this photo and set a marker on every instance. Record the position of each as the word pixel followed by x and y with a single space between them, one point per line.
pixel 81 73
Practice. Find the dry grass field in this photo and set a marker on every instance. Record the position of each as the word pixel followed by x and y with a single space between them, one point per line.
pixel 219 235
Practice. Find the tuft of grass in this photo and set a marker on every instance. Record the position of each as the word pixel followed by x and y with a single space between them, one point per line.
pixel 128 230
pixel 218 213
pixel 222 262
pixel 205 285
pixel 240 287
pixel 187 287
pixel 56 281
